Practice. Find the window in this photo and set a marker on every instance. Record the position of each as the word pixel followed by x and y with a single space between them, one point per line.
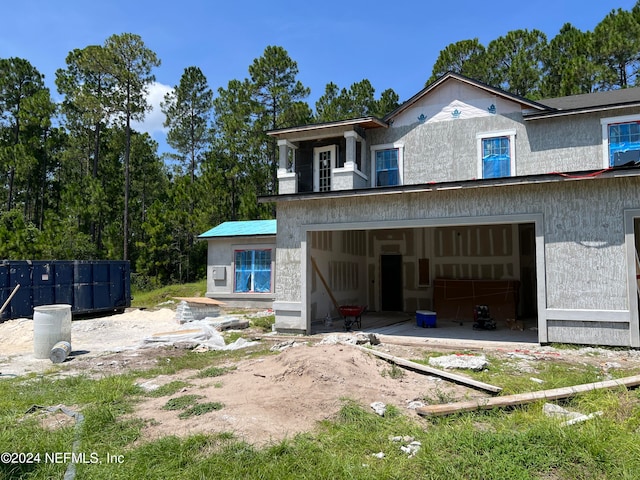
pixel 252 271
pixel 496 154
pixel 621 140
pixel 387 165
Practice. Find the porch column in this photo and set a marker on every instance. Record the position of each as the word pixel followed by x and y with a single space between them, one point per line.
pixel 287 178
pixel 350 154
pixel 285 147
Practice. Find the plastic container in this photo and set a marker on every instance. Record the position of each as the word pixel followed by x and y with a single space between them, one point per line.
pixel 426 319
pixel 51 324
pixel 60 352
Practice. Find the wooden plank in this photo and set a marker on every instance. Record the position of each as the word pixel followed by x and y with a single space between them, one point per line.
pixel 324 282
pixel 638 273
pixel 524 398
pixel 200 300
pixel 433 371
pixel 177 332
pixel 9 299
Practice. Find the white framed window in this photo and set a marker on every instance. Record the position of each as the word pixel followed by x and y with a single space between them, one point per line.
pixel 252 271
pixel 620 140
pixel 387 164
pixel 324 162
pixel 496 154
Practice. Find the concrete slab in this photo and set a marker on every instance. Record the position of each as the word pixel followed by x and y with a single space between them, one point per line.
pixel 402 328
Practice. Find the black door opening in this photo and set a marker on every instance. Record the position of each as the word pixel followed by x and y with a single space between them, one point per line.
pixel 391 283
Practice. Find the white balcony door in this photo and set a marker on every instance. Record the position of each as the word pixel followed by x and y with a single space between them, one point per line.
pixel 324 161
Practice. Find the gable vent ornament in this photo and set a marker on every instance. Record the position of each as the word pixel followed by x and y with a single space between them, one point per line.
pixel 422 118
pixel 456 113
pixel 492 109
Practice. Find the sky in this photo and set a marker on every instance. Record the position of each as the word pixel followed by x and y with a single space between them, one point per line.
pixel 392 44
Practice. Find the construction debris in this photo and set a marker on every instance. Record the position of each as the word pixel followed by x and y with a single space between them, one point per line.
pixel 524 398
pixel 201 333
pixel 477 363
pixel 379 407
pixel 426 369
pixel 571 418
pixel 188 311
pixel 412 448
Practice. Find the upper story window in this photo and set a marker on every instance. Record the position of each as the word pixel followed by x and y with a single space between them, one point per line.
pixel 621 140
pixel 252 271
pixel 387 165
pixel 496 154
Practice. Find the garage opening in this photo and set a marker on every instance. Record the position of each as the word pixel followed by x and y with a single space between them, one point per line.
pixel 445 269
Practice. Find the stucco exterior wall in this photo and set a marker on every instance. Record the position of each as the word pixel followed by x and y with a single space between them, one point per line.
pixel 220 257
pixel 582 235
pixel 446 151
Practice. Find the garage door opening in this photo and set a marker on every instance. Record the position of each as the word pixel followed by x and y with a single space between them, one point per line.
pixel 398 271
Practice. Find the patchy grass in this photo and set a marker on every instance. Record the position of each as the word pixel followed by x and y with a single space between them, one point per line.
pixel 264 323
pixel 214 372
pixel 153 298
pixel 168 389
pixel 182 402
pixel 200 409
pixel 519 443
pixel 394 371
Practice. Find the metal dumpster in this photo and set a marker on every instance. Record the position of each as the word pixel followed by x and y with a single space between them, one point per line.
pixel 89 286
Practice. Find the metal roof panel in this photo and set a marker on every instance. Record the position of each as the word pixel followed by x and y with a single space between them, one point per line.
pixel 242 229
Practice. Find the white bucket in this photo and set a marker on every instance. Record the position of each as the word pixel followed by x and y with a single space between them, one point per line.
pixel 51 324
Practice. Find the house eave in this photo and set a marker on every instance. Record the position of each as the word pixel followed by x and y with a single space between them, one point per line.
pixel 618 172
pixel 578 111
pixel 363 122
pixel 260 235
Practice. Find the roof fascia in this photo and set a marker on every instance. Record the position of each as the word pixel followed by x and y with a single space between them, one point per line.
pixel 579 111
pixel 322 126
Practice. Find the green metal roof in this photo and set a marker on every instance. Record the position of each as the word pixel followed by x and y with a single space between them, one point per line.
pixel 242 229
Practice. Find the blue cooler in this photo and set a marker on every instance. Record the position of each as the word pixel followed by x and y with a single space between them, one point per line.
pixel 426 318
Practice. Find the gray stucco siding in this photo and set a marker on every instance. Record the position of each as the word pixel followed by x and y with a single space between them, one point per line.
pixel 220 257
pixel 583 231
pixel 447 151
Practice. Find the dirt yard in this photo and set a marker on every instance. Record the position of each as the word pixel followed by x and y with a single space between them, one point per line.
pixel 270 398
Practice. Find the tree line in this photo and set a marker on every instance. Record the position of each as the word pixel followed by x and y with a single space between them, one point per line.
pixel 78 182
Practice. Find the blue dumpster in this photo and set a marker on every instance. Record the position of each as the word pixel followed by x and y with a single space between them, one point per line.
pixel 89 286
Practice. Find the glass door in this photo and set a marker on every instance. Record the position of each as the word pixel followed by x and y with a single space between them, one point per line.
pixel 324 163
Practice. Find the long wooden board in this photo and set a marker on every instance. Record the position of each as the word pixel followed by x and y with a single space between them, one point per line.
pixel 200 300
pixel 324 282
pixel 524 398
pixel 433 371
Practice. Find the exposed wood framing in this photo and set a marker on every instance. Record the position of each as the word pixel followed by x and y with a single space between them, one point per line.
pixel 324 282
pixel 523 398
pixel 433 371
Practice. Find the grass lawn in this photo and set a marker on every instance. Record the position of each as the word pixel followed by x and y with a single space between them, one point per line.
pixel 519 443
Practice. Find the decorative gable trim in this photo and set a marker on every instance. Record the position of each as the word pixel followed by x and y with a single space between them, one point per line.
pixel 455 77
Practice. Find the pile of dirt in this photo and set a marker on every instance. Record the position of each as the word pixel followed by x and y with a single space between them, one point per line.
pixel 274 397
pixel 279 396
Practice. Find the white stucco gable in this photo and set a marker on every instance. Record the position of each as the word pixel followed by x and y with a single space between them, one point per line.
pixel 454 96
pixel 452 101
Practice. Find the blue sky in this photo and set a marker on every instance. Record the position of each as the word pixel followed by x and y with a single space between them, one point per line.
pixel 393 44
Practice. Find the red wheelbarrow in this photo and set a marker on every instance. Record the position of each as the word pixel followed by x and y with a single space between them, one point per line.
pixel 352 315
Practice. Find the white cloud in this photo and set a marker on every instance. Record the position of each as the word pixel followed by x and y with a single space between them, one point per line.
pixel 153 120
